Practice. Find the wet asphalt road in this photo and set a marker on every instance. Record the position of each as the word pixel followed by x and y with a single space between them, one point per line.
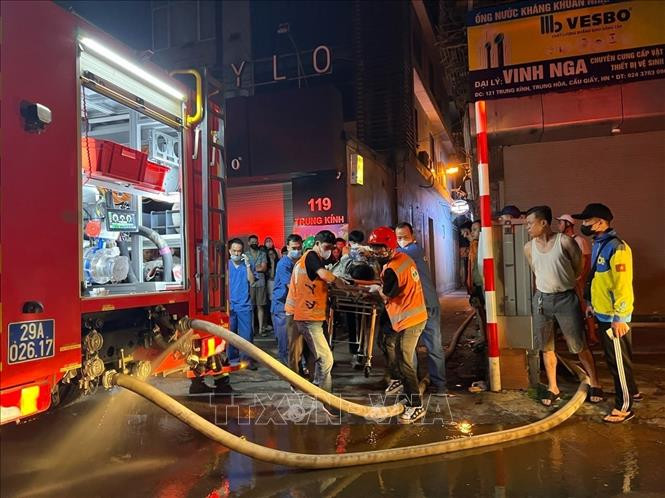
pixel 116 444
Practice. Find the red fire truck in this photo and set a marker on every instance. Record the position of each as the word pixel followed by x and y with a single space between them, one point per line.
pixel 112 212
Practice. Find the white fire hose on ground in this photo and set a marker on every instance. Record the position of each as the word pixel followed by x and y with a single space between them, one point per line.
pixel 333 460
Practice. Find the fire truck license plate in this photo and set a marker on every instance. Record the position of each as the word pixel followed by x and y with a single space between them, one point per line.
pixel 30 341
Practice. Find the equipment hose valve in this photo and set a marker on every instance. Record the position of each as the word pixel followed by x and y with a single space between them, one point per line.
pixel 108 379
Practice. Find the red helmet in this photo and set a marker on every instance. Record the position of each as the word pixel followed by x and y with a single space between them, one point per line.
pixel 384 236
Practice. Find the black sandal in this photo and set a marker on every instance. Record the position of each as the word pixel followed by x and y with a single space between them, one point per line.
pixel 595 392
pixel 551 397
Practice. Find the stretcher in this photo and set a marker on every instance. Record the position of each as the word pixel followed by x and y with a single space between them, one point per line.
pixel 365 306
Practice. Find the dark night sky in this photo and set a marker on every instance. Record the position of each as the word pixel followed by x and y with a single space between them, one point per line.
pixel 130 21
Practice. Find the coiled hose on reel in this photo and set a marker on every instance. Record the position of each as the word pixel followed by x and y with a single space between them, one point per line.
pixel 334 460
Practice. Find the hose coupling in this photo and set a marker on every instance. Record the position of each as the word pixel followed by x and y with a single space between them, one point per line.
pixel 184 324
pixel 109 378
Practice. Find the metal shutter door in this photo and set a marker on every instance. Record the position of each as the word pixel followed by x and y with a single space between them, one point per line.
pixel 264 210
pixel 625 172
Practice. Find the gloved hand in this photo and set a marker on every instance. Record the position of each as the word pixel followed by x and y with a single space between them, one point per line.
pixel 376 288
pixel 245 259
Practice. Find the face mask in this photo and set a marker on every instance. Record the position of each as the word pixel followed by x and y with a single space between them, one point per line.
pixel 403 243
pixel 383 261
pixel 236 258
pixel 326 254
pixel 269 245
pixel 254 246
pixel 587 230
pixel 295 254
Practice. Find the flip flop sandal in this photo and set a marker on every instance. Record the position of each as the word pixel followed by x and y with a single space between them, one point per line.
pixel 552 397
pixel 621 419
pixel 595 392
pixel 638 397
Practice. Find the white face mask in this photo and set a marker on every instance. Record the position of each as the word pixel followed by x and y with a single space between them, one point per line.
pixel 295 254
pixel 404 243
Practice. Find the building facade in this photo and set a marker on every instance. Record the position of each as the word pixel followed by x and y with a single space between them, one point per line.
pixel 336 115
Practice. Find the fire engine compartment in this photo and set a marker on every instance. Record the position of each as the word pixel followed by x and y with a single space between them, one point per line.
pixel 132 234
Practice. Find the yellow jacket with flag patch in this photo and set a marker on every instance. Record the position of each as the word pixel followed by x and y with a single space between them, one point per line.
pixel 612 285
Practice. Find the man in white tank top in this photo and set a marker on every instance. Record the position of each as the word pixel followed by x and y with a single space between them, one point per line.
pixel 556 261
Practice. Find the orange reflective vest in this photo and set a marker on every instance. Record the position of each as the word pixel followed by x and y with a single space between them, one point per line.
pixel 307 299
pixel 290 303
pixel 408 307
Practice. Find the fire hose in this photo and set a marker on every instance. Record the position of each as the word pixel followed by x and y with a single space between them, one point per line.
pixel 456 336
pixel 334 460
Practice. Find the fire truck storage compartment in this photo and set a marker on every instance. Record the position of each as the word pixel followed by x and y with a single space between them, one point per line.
pixel 131 200
pixel 163 222
pixel 108 160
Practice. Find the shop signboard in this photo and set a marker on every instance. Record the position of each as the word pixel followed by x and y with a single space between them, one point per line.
pixel 319 203
pixel 560 45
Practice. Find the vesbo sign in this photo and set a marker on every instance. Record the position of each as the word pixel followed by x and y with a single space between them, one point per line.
pixel 548 24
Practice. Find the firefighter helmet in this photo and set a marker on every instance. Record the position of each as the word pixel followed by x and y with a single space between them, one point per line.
pixel 308 243
pixel 383 236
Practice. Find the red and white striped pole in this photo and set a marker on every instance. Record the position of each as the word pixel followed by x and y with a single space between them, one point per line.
pixel 487 248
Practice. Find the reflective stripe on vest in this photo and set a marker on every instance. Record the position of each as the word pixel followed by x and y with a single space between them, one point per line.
pixel 410 312
pixel 310 296
pixel 408 307
pixel 403 267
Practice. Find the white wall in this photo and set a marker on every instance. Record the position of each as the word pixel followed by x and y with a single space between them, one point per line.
pixel 417 205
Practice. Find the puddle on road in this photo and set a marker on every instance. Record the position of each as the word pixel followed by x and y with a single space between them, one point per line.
pixel 119 445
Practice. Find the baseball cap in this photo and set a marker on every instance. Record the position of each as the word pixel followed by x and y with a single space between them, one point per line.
pixel 510 210
pixel 595 210
pixel 566 217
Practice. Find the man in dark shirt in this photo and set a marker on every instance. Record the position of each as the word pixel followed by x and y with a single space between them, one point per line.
pixel 258 261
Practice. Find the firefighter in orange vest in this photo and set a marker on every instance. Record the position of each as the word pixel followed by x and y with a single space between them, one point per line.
pixel 307 300
pixel 402 292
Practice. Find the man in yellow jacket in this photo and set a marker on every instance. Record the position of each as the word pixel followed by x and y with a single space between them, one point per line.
pixel 610 285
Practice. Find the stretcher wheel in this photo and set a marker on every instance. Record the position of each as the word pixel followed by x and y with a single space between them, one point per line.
pixel 367 370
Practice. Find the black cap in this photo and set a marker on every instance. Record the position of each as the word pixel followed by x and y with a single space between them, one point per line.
pixel 595 210
pixel 510 210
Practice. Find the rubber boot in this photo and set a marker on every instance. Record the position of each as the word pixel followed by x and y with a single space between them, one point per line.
pixel 198 386
pixel 223 384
